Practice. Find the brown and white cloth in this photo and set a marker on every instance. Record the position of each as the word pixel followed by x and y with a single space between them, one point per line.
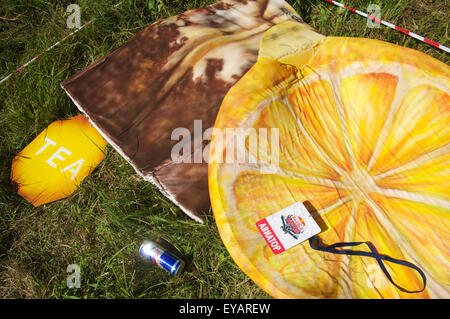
pixel 171 73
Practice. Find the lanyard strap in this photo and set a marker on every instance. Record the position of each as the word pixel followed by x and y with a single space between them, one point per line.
pixel 314 242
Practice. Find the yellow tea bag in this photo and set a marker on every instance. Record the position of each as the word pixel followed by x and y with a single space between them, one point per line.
pixel 53 165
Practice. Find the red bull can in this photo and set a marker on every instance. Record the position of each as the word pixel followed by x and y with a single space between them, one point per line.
pixel 161 257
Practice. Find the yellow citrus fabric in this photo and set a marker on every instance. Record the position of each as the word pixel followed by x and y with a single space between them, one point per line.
pixel 364 137
pixel 57 160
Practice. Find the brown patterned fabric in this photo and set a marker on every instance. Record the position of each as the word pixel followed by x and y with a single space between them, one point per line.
pixel 171 73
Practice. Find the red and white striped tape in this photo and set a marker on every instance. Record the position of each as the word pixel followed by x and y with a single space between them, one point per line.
pixel 40 54
pixel 392 26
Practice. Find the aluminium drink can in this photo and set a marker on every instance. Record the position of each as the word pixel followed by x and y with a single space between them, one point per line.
pixel 161 257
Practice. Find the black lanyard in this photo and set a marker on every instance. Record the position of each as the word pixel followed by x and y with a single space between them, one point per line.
pixel 314 242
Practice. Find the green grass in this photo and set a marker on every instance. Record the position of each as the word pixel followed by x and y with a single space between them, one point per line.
pixel 102 224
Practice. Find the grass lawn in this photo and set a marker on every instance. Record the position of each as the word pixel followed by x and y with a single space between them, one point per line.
pixel 101 226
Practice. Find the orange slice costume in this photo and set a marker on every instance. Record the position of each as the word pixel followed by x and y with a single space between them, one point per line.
pixel 364 133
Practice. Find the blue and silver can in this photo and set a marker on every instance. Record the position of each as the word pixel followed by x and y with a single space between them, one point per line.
pixel 160 256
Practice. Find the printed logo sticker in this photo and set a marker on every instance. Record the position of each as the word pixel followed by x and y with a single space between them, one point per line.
pixel 288 227
pixel 293 225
